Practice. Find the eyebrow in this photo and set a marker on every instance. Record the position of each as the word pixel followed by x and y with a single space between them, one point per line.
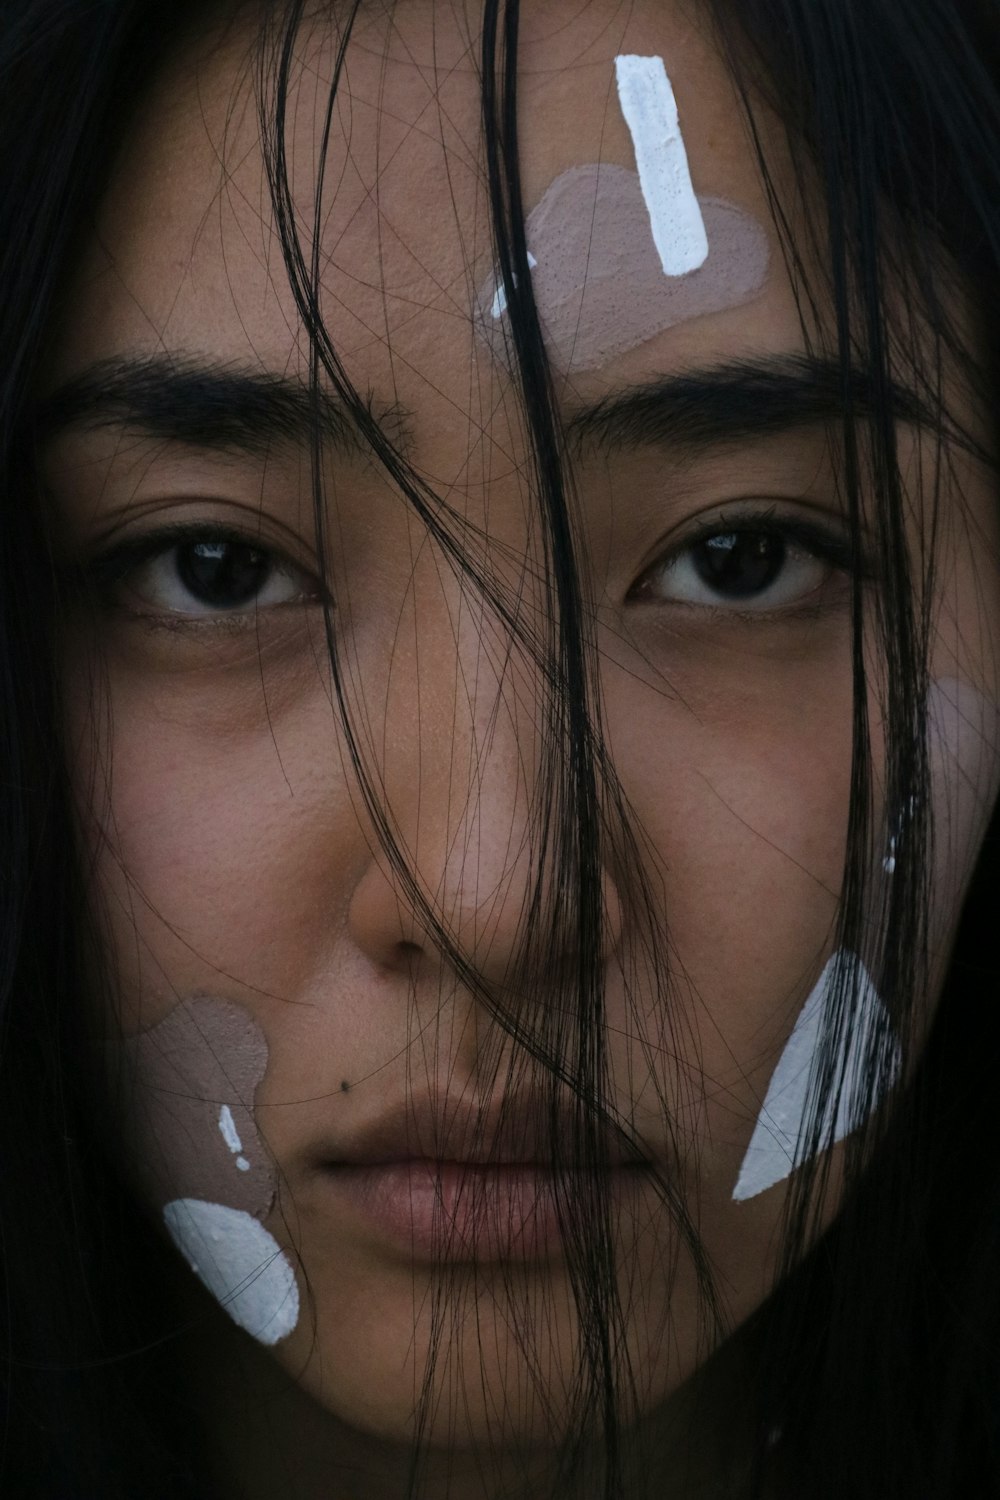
pixel 204 404
pixel 221 406
pixel 738 400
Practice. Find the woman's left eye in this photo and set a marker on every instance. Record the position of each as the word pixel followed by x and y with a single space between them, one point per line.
pixel 746 565
pixel 199 574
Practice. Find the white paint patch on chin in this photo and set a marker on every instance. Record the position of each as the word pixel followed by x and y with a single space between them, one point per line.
pixel 240 1263
pixel 777 1145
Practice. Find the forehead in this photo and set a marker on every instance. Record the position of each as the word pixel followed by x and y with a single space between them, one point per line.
pixel 186 257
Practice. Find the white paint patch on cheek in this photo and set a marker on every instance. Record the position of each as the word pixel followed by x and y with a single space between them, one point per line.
pixel 240 1263
pixel 186 1100
pixel 779 1144
pixel 964 756
pixel 650 110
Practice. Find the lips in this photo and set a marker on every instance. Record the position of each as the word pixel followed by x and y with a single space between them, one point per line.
pixel 438 1180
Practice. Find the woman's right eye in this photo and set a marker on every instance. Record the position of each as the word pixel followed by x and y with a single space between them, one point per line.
pixel 199 574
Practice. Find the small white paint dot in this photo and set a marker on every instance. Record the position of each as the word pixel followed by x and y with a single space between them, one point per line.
pixel 243 1164
pixel 499 304
pixel 227 1128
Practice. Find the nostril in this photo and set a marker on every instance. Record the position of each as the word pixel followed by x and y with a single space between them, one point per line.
pixel 409 955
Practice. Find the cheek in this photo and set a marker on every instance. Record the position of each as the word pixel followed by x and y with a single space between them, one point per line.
pixel 743 795
pixel 964 756
pixel 187 1091
pixel 208 834
pixel 221 832
pixel 742 799
pixel 183 1094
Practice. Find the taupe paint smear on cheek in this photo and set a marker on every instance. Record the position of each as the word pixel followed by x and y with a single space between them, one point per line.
pixel 186 1090
pixel 597 279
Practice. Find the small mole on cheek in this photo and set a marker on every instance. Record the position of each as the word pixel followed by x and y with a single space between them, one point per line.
pixel 345 1087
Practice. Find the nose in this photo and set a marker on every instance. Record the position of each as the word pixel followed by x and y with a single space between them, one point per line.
pixel 470 789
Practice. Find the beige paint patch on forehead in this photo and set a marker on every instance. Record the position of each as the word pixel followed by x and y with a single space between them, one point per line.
pixel 186 1089
pixel 598 281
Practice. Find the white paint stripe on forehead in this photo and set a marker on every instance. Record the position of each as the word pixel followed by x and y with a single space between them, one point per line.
pixel 778 1143
pixel 650 110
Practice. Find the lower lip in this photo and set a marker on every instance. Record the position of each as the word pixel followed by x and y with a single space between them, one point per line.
pixel 459 1211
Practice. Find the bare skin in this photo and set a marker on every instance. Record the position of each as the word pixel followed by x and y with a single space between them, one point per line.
pixel 233 854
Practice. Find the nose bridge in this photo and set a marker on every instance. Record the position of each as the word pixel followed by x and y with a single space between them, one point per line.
pixel 463 777
pixel 459 776
pixel 475 757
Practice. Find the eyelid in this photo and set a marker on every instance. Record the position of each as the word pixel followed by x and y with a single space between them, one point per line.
pixel 826 540
pixel 112 564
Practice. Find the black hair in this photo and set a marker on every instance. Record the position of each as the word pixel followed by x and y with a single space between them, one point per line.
pixel 879 1348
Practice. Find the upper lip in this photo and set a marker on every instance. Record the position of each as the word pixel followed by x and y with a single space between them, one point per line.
pixel 518 1130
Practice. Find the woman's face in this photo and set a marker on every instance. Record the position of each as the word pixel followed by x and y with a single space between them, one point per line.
pixel 336 1067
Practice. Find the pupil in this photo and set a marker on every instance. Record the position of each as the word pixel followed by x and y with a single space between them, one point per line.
pixel 741 563
pixel 223 575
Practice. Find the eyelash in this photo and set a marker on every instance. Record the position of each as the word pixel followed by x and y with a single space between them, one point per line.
pixel 110 572
pixel 825 545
